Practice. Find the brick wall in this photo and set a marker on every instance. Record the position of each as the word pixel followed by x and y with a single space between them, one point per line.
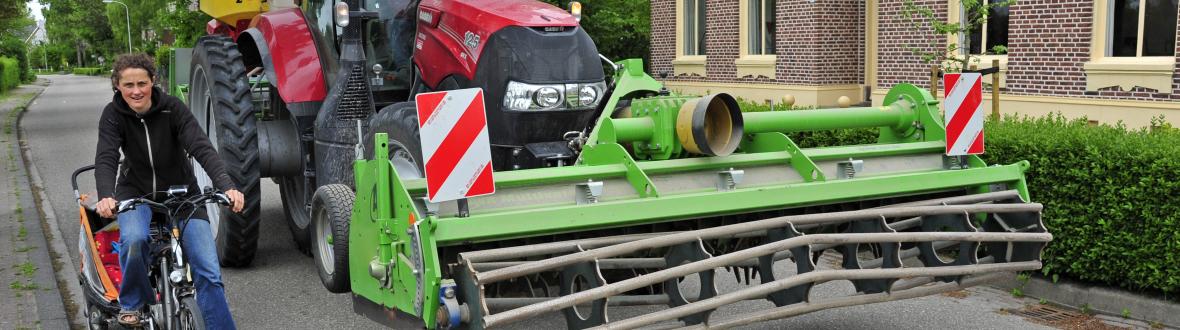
pixel 663 36
pixel 824 42
pixel 1049 43
pixel 1176 74
pixel 896 63
pixel 721 39
pixel 820 43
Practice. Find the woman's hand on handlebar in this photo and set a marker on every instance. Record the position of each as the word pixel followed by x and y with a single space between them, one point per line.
pixel 236 199
pixel 106 207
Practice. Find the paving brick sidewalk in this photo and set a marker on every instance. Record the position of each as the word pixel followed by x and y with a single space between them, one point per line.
pixel 27 282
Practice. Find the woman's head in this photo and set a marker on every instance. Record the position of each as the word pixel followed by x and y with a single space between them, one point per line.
pixel 133 76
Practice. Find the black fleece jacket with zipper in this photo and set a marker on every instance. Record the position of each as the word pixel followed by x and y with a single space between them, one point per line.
pixel 155 146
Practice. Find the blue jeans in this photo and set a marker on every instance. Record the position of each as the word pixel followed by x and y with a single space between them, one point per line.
pixel 134 256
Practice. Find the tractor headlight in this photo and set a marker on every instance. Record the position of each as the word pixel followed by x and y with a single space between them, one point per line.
pixel 541 97
pixel 546 97
pixel 340 15
pixel 588 95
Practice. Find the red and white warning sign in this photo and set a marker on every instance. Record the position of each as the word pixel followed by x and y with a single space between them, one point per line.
pixel 454 133
pixel 964 113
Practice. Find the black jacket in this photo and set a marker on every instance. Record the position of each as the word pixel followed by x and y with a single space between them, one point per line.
pixel 169 132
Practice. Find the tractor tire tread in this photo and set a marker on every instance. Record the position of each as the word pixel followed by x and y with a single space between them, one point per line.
pixel 238 145
pixel 338 200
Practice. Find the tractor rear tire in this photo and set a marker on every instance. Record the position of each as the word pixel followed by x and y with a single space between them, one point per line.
pixel 331 210
pixel 400 121
pixel 219 96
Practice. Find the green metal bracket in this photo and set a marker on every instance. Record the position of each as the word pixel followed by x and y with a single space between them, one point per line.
pixel 610 153
pixel 383 265
pixel 775 141
pixel 928 124
pixel 630 81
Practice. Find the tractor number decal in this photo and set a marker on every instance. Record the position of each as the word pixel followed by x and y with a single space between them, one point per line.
pixel 471 40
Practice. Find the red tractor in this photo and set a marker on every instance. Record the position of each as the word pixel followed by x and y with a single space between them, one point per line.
pixel 284 91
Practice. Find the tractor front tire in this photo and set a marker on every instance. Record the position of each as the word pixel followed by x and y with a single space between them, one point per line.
pixel 331 210
pixel 219 97
pixel 400 122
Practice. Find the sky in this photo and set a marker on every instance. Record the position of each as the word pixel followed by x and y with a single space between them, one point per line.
pixel 35 7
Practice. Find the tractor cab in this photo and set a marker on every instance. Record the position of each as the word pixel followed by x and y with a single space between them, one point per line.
pixel 387 40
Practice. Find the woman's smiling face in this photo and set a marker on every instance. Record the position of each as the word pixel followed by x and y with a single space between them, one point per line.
pixel 136 87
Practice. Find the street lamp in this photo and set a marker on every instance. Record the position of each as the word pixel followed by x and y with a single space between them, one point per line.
pixel 128 12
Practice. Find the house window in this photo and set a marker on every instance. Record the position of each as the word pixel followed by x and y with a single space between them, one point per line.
pixel 993 32
pixel 694 27
pixel 1142 28
pixel 761 25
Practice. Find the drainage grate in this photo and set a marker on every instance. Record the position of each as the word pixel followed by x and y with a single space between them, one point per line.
pixel 1046 313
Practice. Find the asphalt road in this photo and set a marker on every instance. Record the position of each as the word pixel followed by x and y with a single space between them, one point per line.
pixel 281 290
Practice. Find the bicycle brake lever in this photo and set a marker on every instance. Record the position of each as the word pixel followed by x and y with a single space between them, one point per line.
pixel 126 205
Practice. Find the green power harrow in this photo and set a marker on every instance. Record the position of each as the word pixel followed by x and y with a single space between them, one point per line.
pixel 670 187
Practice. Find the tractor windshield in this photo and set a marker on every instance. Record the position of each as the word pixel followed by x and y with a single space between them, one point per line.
pixel 388 42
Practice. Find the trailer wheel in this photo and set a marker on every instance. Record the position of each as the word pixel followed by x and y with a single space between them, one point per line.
pixel 331 210
pixel 400 121
pixel 219 96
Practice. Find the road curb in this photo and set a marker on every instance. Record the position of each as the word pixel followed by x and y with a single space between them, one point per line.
pixel 64 270
pixel 1105 300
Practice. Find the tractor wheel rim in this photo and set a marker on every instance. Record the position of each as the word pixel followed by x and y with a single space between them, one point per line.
pixel 323 234
pixel 293 189
pixel 205 119
pixel 405 165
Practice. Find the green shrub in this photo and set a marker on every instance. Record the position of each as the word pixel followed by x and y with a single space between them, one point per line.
pixel 10 75
pixel 1109 195
pixel 91 71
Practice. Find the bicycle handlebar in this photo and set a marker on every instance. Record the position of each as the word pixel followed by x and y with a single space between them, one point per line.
pixel 207 197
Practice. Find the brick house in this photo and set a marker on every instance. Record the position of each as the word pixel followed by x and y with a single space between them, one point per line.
pixel 1108 60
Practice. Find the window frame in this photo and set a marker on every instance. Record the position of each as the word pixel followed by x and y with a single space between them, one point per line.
pixel 1104 70
pixel 955 14
pixel 1139 33
pixel 748 63
pixel 684 64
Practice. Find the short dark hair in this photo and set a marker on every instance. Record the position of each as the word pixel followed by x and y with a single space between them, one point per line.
pixel 132 61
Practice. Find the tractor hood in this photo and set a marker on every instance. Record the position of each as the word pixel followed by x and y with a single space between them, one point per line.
pixel 497 14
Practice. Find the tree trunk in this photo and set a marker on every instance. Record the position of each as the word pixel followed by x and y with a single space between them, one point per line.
pixel 78 54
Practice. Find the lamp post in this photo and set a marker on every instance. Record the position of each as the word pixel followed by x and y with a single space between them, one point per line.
pixel 128 12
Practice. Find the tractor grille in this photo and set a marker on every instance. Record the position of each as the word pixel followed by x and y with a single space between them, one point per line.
pixel 354 104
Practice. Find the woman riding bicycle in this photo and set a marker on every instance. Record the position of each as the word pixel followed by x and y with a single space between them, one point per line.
pixel 156 133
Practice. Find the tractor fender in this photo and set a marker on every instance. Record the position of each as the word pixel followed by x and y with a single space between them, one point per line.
pixel 282 44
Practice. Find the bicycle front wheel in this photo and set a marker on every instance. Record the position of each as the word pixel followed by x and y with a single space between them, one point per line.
pixel 189 316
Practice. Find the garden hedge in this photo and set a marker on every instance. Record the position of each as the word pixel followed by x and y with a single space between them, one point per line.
pixel 10 76
pixel 90 71
pixel 1111 195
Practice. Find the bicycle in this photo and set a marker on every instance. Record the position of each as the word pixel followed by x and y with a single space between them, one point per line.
pixel 175 306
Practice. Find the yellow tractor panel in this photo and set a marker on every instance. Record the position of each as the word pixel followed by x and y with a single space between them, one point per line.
pixel 232 11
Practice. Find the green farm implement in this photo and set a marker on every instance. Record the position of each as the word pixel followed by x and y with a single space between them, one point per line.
pixel 668 187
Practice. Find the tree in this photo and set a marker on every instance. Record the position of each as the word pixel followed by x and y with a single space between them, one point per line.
pixel 620 28
pixel 923 18
pixel 80 24
pixel 185 25
pixel 15 28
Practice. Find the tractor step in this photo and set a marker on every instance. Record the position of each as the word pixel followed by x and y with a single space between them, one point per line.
pixel 981 235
